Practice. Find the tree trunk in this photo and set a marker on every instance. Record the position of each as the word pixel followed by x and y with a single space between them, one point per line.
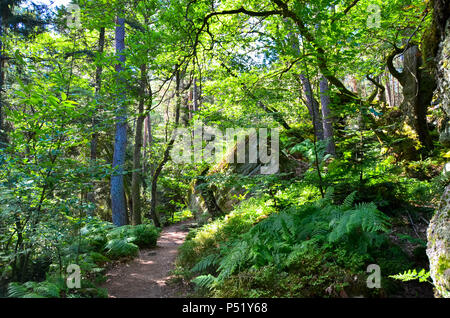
pixel 195 96
pixel 136 177
pixel 153 213
pixel 325 100
pixel 3 138
pixel 98 85
pixel 313 107
pixel 118 204
pixel 418 87
pixel 148 142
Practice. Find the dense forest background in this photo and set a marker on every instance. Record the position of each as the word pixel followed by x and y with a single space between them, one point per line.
pixel 353 93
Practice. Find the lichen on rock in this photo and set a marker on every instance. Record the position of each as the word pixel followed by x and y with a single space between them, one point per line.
pixel 438 249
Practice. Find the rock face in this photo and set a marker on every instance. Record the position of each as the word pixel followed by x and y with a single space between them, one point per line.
pixel 443 92
pixel 219 199
pixel 438 249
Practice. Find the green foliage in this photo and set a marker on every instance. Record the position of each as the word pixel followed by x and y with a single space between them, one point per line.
pixel 423 276
pixel 204 241
pixel 317 231
pixel 121 248
pixel 284 240
pixel 143 235
pixel 34 290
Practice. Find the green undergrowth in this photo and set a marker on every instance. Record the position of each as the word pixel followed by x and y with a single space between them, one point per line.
pixel 293 246
pixel 97 244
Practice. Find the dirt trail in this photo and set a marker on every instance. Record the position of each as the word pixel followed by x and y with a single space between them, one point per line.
pixel 147 275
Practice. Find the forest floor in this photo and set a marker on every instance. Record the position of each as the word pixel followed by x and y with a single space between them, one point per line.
pixel 149 275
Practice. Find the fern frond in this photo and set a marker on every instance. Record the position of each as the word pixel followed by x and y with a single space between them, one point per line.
pixel 348 202
pixel 16 290
pixel 206 263
pixel 205 281
pixel 423 276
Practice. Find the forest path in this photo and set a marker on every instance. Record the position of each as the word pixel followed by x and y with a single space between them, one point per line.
pixel 147 275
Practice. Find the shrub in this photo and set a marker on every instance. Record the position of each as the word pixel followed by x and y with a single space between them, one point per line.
pixel 318 241
pixel 121 248
pixel 144 235
pixel 206 240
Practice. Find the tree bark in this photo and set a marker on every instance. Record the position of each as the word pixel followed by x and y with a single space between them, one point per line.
pixel 153 213
pixel 98 85
pixel 3 138
pixel 313 107
pixel 195 96
pixel 325 100
pixel 118 204
pixel 136 176
pixel 418 87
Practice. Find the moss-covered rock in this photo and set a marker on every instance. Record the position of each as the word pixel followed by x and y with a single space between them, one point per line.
pixel 442 95
pixel 438 249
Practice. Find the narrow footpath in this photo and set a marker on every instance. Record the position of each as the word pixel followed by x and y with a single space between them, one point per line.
pixel 147 276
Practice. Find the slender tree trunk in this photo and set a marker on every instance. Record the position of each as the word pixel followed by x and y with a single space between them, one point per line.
pixel 195 96
pixel 98 85
pixel 325 100
pixel 389 90
pixel 136 177
pixel 148 142
pixel 3 138
pixel 119 208
pixel 313 107
pixel 382 92
pixel 153 213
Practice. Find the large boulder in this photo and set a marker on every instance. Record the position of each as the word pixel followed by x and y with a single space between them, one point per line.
pixel 438 249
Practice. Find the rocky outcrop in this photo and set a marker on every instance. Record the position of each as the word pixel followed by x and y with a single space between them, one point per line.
pixel 219 197
pixel 442 95
pixel 438 249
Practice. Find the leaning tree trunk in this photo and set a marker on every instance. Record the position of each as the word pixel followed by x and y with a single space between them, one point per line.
pixel 118 204
pixel 438 247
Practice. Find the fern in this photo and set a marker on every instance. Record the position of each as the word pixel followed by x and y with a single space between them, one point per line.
pixel 43 289
pixel 365 216
pixel 16 290
pixel 206 263
pixel 423 276
pixel 287 238
pixel 235 259
pixel 47 289
pixel 205 281
pixel 117 248
pixel 348 202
